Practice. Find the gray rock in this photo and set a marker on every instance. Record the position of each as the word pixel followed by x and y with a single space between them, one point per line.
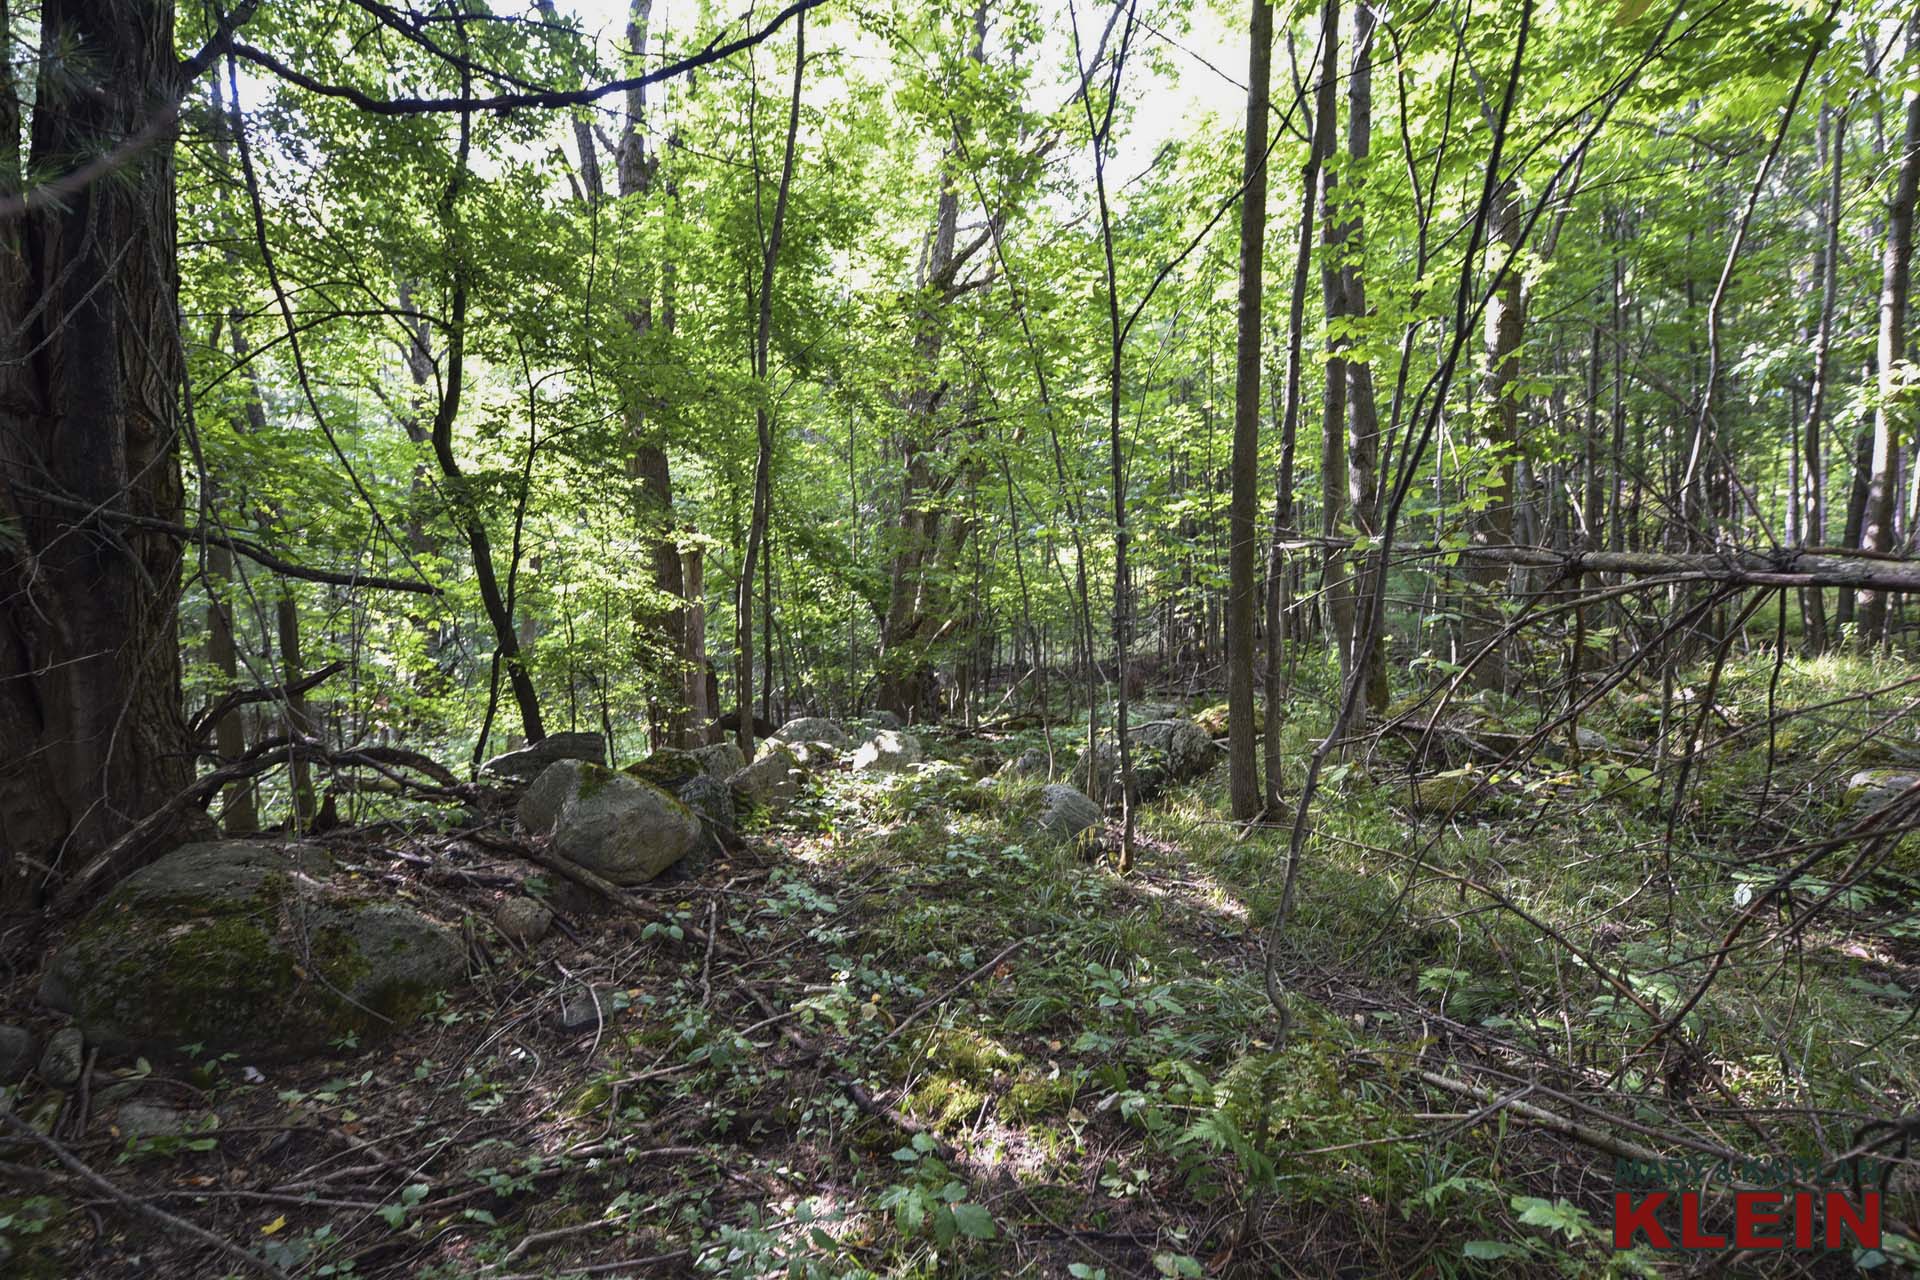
pixel 541 803
pixel 523 919
pixel 888 751
pixel 813 729
pixel 1871 789
pixel 879 718
pixel 158 1120
pixel 244 946
pixel 65 1058
pixel 626 830
pixel 721 760
pixel 16 1052
pixel 1165 752
pixel 1065 812
pixel 811 755
pixel 530 761
pixel 1031 763
pixel 585 1009
pixel 770 782
pixel 711 801
pixel 666 768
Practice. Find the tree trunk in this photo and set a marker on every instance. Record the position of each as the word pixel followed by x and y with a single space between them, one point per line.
pixel 90 375
pixel 1363 444
pixel 1493 525
pixel 1278 582
pixel 1242 759
pixel 1336 588
pixel 763 420
pixel 1876 533
pixel 465 510
pixel 1812 498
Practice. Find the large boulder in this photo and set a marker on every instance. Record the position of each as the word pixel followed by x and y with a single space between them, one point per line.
pixel 888 751
pixel 1031 763
pixel 1165 752
pixel 721 760
pixel 1065 813
pixel 711 801
pixel 1872 789
pixel 770 782
pixel 667 768
pixel 627 830
pixel 246 947
pixel 17 1052
pixel 813 729
pixel 531 761
pixel 880 718
pixel 1213 720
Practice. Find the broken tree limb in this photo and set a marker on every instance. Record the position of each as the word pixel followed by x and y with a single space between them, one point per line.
pixel 1746 568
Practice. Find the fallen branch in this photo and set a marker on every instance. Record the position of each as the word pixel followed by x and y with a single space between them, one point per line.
pixel 179 1226
pixel 1785 568
pixel 950 992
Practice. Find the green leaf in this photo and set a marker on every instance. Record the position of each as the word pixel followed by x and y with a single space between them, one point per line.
pixel 974 1221
pixel 1492 1250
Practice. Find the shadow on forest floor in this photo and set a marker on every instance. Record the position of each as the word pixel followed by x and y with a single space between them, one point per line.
pixel 924 1043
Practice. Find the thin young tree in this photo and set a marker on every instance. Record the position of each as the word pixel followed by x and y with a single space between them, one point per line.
pixel 1876 533
pixel 1243 762
pixel 763 414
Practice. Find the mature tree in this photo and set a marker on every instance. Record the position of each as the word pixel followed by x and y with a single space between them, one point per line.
pixel 90 490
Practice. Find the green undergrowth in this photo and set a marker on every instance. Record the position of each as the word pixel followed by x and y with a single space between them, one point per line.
pixel 945 1047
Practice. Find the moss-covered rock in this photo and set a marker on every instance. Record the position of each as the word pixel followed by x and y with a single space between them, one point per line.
pixel 612 823
pixel 770 782
pixel 1213 720
pixel 814 729
pixel 721 760
pixel 1444 793
pixel 1165 752
pixel 246 947
pixel 667 768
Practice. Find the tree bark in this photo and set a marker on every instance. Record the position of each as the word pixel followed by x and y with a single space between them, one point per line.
pixel 1242 758
pixel 1876 533
pixel 1493 525
pixel 1363 443
pixel 1283 507
pixel 90 375
pixel 763 419
pixel 1812 498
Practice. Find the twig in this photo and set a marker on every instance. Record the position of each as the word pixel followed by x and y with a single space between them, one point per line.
pixel 605 1268
pixel 949 993
pixel 177 1225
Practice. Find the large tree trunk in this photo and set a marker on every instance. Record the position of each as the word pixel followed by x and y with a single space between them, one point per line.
pixel 90 372
pixel 1242 760
pixel 1876 533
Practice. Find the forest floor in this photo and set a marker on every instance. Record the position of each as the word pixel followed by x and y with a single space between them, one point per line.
pixel 896 1037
